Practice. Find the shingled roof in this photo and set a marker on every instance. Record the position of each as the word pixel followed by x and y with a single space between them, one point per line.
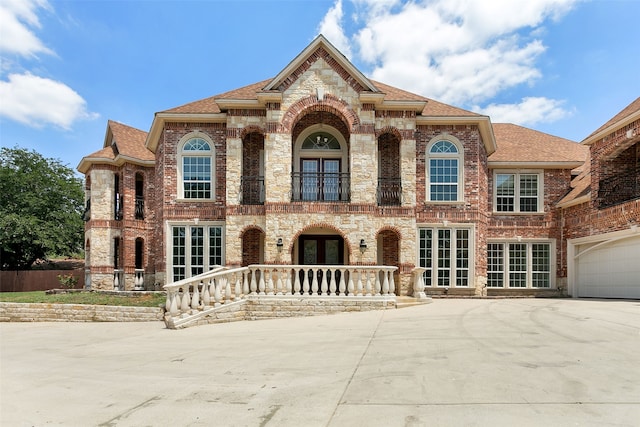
pixel 517 144
pixel 121 141
pixel 630 109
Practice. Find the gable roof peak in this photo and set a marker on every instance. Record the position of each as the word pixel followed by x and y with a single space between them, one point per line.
pixel 320 43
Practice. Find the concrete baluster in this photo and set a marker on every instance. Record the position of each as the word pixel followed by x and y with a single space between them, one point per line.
pixel 186 299
pixel 254 284
pixel 296 282
pixel 332 283
pixel 324 286
pixel 195 296
pixel 314 282
pixel 261 284
pixel 305 281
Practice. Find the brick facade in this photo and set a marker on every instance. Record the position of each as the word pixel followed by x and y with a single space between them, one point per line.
pixel 384 134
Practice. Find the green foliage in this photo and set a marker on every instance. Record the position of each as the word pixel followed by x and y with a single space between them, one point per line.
pixel 67 281
pixel 40 211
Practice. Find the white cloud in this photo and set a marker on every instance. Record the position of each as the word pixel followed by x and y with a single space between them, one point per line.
pixel 35 101
pixel 462 52
pixel 17 19
pixel 530 111
pixel 331 28
pixel 27 98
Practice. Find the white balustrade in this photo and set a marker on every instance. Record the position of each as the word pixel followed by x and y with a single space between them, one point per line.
pixel 224 285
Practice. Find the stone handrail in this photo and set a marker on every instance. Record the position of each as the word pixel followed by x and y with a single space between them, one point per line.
pixel 225 285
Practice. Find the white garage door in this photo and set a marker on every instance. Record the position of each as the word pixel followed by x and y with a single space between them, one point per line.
pixel 609 270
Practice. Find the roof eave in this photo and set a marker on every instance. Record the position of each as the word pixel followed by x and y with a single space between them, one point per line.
pixel 416 106
pixel 483 122
pixel 612 128
pixel 161 118
pixel 226 104
pixel 533 165
pixel 573 202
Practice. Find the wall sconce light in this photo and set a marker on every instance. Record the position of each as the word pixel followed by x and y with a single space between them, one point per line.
pixel 279 244
pixel 363 246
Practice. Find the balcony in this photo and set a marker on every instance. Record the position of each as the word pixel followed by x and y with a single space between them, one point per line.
pixel 139 214
pixel 320 187
pixel 618 189
pixel 389 191
pixel 252 190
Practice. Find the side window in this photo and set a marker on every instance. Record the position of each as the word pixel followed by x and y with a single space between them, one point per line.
pixel 517 192
pixel 444 171
pixel 196 170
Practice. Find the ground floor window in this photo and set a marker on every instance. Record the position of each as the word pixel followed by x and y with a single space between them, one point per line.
pixel 195 249
pixel 519 265
pixel 446 254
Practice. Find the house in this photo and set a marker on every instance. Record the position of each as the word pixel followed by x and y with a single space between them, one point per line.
pixel 322 166
pixel 601 213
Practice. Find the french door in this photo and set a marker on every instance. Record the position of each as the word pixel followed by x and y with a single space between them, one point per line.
pixel 320 179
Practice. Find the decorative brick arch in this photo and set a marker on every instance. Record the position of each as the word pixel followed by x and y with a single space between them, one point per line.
pixel 318 225
pixel 329 104
pixel 393 229
pixel 252 129
pixel 251 227
pixel 251 237
pixel 390 130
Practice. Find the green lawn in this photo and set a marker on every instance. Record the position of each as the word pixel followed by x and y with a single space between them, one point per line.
pixel 94 298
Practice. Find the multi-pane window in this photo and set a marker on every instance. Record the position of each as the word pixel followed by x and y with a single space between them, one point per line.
pixel 517 192
pixel 197 172
pixel 519 265
pixel 192 253
pixel 444 172
pixel 445 253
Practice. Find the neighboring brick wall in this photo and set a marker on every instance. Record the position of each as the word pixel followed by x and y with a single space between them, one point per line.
pixel 20 312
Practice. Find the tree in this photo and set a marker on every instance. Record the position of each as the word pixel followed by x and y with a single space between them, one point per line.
pixel 41 205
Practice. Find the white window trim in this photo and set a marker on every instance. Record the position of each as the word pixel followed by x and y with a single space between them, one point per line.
pixel 517 173
pixel 529 271
pixel 459 156
pixel 187 224
pixel 434 259
pixel 179 166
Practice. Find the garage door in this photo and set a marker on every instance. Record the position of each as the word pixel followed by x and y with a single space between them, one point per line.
pixel 609 269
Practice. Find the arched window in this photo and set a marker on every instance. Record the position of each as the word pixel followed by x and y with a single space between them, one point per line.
pixel 444 170
pixel 320 164
pixel 196 169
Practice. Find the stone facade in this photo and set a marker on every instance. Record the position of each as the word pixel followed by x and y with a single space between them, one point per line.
pixel 256 136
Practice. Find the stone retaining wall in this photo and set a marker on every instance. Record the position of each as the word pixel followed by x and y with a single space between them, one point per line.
pixel 24 312
pixel 259 307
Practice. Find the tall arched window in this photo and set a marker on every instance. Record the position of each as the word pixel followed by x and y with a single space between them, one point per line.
pixel 197 169
pixel 320 164
pixel 444 171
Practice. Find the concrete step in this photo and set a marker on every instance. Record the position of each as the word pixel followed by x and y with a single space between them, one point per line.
pixel 406 301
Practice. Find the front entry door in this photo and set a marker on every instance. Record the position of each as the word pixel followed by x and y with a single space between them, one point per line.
pixel 321 250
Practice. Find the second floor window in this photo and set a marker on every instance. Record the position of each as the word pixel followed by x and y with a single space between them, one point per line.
pixel 197 169
pixel 444 172
pixel 517 192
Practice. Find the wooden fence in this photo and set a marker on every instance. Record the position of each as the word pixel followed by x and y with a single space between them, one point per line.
pixel 36 280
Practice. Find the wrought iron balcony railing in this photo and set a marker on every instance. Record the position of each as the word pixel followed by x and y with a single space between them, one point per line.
pixel 252 190
pixel 389 191
pixel 117 211
pixel 619 188
pixel 139 214
pixel 320 187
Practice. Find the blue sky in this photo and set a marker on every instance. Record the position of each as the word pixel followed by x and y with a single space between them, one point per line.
pixel 559 66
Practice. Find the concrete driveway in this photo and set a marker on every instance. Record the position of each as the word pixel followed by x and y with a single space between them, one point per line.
pixel 538 362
